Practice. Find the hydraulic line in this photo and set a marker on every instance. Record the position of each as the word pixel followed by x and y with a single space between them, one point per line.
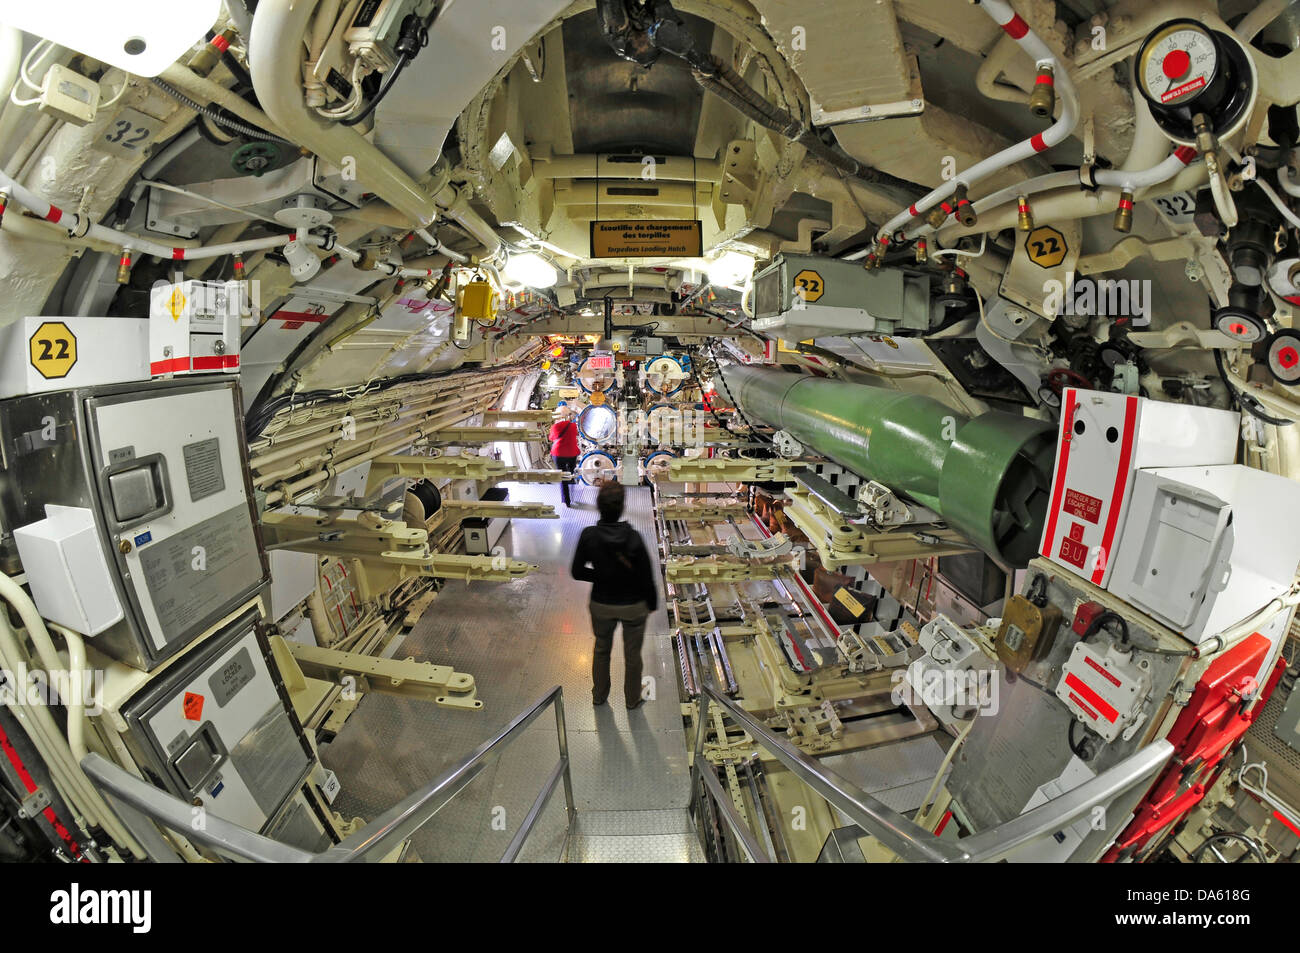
pixel 1058 132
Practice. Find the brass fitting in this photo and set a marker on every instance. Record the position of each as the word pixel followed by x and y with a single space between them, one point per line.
pixel 1124 213
pixel 965 211
pixel 368 261
pixel 938 215
pixel 922 255
pixel 1024 214
pixel 1206 141
pixel 205 60
pixel 1042 101
pixel 124 267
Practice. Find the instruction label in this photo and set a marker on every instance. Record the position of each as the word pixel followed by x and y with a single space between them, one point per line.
pixel 184 596
pixel 678 239
pixel 203 468
pixel 226 682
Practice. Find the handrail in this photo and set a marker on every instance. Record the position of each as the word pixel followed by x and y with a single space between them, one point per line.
pixel 912 842
pixel 372 841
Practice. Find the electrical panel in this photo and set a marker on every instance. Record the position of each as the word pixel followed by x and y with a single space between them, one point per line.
pixel 159 476
pixel 216 729
pixel 194 327
pixel 1104 439
pixel 805 296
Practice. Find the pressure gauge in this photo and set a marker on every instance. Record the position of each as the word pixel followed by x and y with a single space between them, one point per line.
pixel 1177 63
pixel 1184 70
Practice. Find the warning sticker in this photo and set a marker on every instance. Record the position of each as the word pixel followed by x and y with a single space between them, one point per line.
pixel 808 285
pixel 1082 505
pixel 853 605
pixel 1046 246
pixel 234 675
pixel 1074 552
pixel 53 350
pixel 192 706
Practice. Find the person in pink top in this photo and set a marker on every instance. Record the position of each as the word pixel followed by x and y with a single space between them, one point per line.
pixel 564 447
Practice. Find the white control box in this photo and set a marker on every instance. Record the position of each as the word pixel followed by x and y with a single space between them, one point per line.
pixel 1104 439
pixel 66 569
pixel 46 354
pixel 1204 547
pixel 194 327
pixel 1105 689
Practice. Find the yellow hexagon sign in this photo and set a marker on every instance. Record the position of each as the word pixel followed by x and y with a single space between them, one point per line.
pixel 1046 246
pixel 53 350
pixel 596 398
pixel 808 285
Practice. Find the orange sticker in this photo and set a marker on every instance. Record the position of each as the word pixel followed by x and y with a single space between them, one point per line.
pixel 192 706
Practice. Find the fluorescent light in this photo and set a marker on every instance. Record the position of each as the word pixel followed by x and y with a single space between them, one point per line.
pixel 732 268
pixel 531 270
pixel 143 37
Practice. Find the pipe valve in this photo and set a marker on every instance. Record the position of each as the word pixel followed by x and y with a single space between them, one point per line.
pixel 124 267
pixel 1124 213
pixel 1042 100
pixel 1024 214
pixel 965 211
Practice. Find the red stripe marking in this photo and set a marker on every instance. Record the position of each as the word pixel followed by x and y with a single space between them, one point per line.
pixel 1185 153
pixel 1121 481
pixel 1079 701
pixel 221 43
pixel 912 210
pixel 1294 830
pixel 26 778
pixel 1125 203
pixel 54 214
pixel 168 367
pixel 947 816
pixel 1080 686
pixel 125 261
pixel 178 254
pixel 216 363
pixel 1016 28
pixel 1038 143
pixel 1102 672
pixel 1045 79
pixel 283 315
pixel 1062 463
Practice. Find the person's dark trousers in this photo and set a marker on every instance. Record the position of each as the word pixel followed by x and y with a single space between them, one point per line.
pixel 604 619
pixel 566 464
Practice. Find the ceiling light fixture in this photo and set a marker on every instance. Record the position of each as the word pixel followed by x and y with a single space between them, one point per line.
pixel 531 270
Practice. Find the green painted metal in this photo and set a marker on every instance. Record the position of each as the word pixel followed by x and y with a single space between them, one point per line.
pixel 987 476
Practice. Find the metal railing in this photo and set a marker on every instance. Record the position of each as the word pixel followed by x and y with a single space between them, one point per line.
pixel 910 841
pixel 145 804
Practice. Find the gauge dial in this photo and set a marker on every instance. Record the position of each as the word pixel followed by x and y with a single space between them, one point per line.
pixel 1177 64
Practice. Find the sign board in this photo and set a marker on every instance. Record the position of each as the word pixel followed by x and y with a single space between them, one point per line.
pixel 636 239
pixel 600 362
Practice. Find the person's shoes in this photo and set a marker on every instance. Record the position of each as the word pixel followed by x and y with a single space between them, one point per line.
pixel 635 705
pixel 597 701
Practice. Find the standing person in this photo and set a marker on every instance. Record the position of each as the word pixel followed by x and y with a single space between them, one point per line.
pixel 613 557
pixel 564 448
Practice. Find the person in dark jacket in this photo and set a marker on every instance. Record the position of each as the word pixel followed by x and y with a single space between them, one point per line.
pixel 612 556
pixel 564 447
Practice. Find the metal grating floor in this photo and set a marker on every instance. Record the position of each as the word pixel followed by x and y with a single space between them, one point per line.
pixel 518 639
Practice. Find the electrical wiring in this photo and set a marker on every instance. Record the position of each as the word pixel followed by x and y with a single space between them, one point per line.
pixel 1244 400
pixel 218 118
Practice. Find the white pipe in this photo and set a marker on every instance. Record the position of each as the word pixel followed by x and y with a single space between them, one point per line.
pixel 76 688
pixel 1060 130
pixel 201 89
pixel 1287 179
pixel 11 57
pixel 439 246
pixel 1260 17
pixel 81 795
pixel 275 62
pixel 1132 180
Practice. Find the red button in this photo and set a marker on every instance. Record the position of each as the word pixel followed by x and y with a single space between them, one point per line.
pixel 1288 357
pixel 1176 64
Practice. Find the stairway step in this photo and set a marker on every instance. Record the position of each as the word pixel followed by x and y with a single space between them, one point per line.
pixel 633 823
pixel 681 848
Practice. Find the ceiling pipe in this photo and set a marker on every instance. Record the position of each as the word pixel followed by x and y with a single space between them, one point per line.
pixel 279 28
